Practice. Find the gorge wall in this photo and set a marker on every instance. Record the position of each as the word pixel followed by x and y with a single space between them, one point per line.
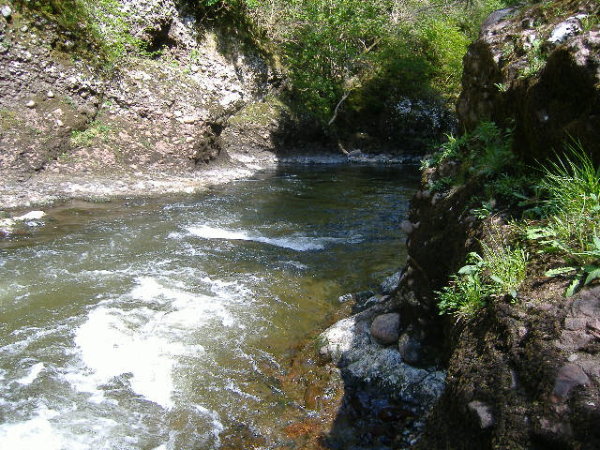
pixel 165 111
pixel 524 373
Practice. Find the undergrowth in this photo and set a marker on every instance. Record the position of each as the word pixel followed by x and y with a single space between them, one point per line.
pixel 499 272
pixel 572 226
pixel 565 201
pixel 485 155
pixel 95 130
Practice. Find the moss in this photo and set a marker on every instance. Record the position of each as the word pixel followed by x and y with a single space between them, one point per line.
pixel 261 113
pixel 8 119
pixel 96 130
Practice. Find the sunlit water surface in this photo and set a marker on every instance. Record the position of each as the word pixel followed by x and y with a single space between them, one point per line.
pixel 160 324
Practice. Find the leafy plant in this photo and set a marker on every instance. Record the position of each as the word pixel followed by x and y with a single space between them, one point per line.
pixel 447 151
pixel 589 22
pixel 502 87
pixel 466 293
pixel 500 271
pixel 484 211
pixel 506 268
pixel 536 59
pixel 583 275
pixel 573 217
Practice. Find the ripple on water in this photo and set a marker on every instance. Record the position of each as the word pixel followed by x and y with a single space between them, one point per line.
pixel 167 326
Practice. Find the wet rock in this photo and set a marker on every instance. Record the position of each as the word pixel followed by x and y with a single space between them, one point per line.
pixel 386 328
pixel 391 283
pixel 483 413
pixel 569 376
pixel 407 225
pixel 363 303
pixel 32 215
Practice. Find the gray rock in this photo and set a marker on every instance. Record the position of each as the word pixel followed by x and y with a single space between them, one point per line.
pixel 483 413
pixel 386 328
pixel 348 344
pixel 565 30
pixel 345 298
pixel 569 376
pixel 410 348
pixel 32 215
pixel 363 304
pixel 391 283
pixel 6 11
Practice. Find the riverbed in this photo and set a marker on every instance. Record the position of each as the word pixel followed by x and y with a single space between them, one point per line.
pixel 164 323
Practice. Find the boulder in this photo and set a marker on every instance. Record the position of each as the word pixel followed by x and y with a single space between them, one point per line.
pixel 6 12
pixel 569 376
pixel 386 328
pixel 349 345
pixel 391 283
pixel 483 413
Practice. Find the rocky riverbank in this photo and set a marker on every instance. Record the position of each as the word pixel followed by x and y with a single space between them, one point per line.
pixel 522 373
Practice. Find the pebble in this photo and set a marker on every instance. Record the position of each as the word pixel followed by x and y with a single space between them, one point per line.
pixel 30 104
pixel 50 94
pixel 6 11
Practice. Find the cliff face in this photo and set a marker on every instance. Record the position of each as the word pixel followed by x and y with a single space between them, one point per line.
pixel 163 111
pixel 525 373
pixel 537 70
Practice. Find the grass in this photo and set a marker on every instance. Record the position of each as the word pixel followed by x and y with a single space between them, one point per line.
pixel 565 198
pixel 484 153
pixel 8 119
pixel 99 27
pixel 572 225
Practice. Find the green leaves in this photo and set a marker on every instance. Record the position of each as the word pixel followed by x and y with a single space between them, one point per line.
pixel 499 271
pixel 573 226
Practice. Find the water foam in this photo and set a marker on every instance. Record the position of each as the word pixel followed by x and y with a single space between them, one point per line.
pixel 145 342
pixel 297 243
pixel 34 371
pixel 37 432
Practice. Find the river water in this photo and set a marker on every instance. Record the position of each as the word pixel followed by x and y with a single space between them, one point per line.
pixel 163 324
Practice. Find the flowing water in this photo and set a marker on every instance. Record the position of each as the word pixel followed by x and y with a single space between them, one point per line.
pixel 160 324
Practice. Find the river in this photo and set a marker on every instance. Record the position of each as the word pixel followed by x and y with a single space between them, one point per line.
pixel 164 323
